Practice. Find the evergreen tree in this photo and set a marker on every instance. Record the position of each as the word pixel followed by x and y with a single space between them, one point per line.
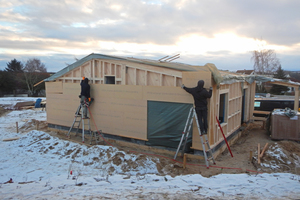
pixel 12 82
pixel 7 83
pixel 279 89
pixel 14 66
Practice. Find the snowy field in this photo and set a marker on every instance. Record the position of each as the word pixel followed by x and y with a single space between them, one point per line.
pixel 44 167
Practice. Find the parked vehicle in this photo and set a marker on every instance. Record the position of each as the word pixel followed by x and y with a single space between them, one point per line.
pixel 269 104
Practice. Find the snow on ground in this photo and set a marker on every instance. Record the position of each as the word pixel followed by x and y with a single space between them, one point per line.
pixel 44 167
pixel 9 102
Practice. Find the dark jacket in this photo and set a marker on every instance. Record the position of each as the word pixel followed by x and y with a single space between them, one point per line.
pixel 200 94
pixel 85 88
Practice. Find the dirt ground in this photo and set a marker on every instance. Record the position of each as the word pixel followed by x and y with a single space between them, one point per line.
pixel 241 162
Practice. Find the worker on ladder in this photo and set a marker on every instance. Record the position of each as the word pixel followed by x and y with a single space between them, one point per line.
pixel 200 95
pixel 85 97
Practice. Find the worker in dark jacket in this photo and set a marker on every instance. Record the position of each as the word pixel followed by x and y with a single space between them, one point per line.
pixel 85 97
pixel 200 95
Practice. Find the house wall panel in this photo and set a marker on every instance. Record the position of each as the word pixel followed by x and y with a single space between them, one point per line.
pixel 124 105
pixel 122 109
pixel 130 76
pixel 153 79
pixel 87 70
pixel 190 79
pixel 140 77
pixel 99 91
pixel 119 107
pixel 71 89
pixel 169 94
pixel 54 87
pixel 167 80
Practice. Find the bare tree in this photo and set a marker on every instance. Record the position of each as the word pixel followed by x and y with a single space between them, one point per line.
pixel 34 71
pixel 265 60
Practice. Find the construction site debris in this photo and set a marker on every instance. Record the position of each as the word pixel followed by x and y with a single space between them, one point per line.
pixel 10 139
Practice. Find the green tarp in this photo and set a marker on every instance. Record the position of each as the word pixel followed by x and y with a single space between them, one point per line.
pixel 166 122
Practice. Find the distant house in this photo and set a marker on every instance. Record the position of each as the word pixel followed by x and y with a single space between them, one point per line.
pixel 141 99
pixel 291 89
pixel 246 72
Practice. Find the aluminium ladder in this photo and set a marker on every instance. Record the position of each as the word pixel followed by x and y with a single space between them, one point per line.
pixel 79 119
pixel 185 134
pixel 96 136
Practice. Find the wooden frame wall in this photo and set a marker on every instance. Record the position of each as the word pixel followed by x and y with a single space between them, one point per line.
pixel 125 73
pixel 129 73
pixel 233 110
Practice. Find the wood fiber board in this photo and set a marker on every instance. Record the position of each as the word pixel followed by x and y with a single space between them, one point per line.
pixel 63 119
pixel 122 123
pixel 61 109
pixel 135 119
pixel 107 116
pixel 118 110
pixel 63 102
pixel 54 87
pixel 116 91
pixel 122 105
pixel 132 132
pixel 196 142
pixel 71 89
pixel 168 94
pixel 190 79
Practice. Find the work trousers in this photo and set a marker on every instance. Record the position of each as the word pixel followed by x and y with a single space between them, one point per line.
pixel 85 102
pixel 202 119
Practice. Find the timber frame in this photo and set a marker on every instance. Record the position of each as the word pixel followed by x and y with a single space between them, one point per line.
pixel 123 86
pixel 99 71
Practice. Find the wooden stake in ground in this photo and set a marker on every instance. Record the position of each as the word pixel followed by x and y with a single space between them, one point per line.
pixel 258 153
pixel 17 127
pixel 263 151
pixel 184 161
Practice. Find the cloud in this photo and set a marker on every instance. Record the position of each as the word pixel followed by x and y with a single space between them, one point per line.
pixel 148 27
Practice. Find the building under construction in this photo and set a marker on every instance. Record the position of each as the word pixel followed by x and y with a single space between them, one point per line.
pixel 141 100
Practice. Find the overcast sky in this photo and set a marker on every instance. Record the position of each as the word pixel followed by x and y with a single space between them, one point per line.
pixel 207 31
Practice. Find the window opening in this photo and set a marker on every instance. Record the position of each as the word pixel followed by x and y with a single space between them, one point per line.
pixel 110 80
pixel 222 108
pixel 243 106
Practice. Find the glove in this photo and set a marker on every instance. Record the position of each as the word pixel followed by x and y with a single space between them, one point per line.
pixel 210 88
pixel 182 86
pixel 83 78
pixel 89 99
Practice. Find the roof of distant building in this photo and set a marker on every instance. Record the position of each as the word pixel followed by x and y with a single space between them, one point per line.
pixel 245 71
